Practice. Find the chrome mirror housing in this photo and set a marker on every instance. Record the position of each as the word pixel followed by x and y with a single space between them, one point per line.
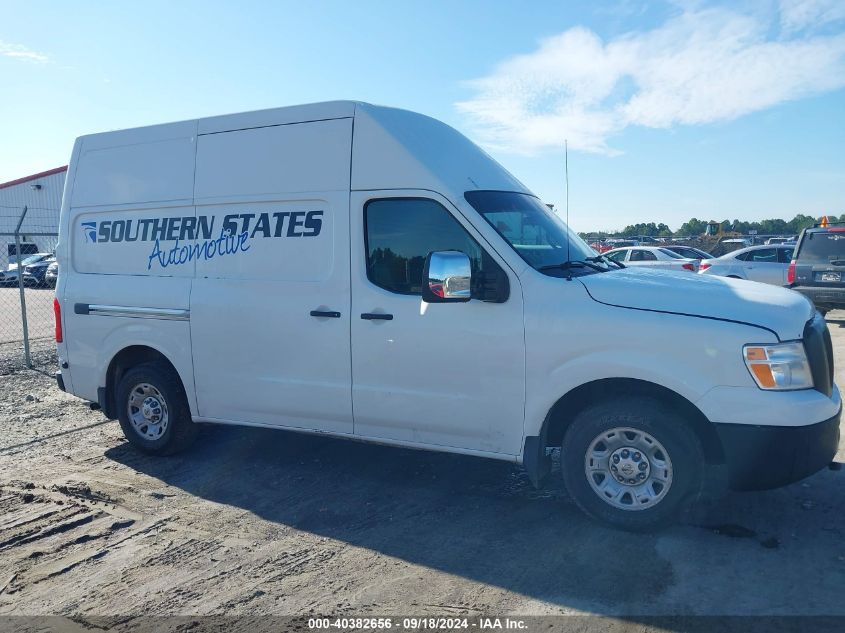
pixel 447 277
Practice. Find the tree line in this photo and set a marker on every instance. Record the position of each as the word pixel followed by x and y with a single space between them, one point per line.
pixel 694 226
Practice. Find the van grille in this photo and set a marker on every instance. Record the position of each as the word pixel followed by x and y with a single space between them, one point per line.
pixel 819 349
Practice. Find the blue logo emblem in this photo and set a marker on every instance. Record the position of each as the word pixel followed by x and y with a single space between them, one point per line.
pixel 90 231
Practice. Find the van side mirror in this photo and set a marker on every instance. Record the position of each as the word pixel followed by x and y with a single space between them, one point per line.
pixel 447 277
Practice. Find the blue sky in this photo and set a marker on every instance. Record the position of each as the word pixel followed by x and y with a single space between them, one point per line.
pixel 671 110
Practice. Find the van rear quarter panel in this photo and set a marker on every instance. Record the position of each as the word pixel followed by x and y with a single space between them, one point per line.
pixel 126 190
pixel 152 164
pixel 93 341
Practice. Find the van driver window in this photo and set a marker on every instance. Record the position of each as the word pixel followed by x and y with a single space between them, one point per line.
pixel 401 232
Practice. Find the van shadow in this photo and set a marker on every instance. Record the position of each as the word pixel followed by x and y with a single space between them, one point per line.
pixel 475 518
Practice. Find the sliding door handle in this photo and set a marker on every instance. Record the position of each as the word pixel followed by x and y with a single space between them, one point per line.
pixel 376 316
pixel 325 313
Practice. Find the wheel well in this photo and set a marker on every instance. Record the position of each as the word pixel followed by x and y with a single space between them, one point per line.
pixel 564 410
pixel 124 360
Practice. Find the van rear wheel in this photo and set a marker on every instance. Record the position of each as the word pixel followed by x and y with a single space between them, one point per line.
pixel 153 410
pixel 632 462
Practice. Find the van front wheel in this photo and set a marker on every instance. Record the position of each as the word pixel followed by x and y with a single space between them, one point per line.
pixel 632 462
pixel 153 410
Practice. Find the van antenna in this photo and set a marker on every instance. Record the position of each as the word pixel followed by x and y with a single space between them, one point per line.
pixel 568 240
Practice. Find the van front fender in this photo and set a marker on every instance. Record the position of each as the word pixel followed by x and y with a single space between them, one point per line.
pixel 679 377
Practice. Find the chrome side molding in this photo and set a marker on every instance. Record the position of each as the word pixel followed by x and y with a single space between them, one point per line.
pixel 167 314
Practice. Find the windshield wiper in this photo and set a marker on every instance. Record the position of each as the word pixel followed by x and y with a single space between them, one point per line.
pixel 587 262
pixel 606 260
pixel 578 263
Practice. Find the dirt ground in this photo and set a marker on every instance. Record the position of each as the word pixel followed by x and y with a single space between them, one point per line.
pixel 255 521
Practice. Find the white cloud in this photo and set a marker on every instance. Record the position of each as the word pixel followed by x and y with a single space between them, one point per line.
pixel 18 51
pixel 700 67
pixel 796 15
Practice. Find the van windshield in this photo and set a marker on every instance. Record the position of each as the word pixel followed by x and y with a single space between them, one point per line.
pixel 534 231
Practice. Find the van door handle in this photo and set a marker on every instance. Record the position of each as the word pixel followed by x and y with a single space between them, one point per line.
pixel 325 313
pixel 376 316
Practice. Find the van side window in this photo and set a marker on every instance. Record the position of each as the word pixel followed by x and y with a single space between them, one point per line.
pixel 401 232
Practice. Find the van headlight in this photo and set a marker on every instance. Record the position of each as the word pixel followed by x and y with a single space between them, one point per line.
pixel 779 367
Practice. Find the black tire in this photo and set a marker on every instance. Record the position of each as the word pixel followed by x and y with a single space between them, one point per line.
pixel 660 423
pixel 179 431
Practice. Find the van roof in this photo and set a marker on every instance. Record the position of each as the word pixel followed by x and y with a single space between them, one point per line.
pixel 322 111
pixel 392 149
pixel 278 116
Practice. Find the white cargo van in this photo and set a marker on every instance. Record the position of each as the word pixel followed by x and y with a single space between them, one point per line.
pixel 368 272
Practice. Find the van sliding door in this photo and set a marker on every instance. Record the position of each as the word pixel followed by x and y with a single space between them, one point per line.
pixel 270 303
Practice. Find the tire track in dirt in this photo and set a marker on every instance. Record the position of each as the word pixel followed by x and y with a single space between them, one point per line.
pixel 45 534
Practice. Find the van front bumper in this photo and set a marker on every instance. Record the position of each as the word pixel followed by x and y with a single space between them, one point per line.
pixel 762 457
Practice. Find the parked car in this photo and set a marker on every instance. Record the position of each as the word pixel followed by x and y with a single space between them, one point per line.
pixel 689 252
pixel 10 275
pixel 52 274
pixel 766 264
pixel 656 257
pixel 614 243
pixel 817 269
pixel 779 240
pixel 371 290
pixel 34 274
pixel 724 247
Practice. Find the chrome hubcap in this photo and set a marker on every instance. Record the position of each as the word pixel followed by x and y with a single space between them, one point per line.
pixel 147 411
pixel 628 469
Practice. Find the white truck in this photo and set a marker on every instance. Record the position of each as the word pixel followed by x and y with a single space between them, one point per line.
pixel 368 272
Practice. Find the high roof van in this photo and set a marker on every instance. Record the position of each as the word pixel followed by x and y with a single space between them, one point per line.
pixel 368 272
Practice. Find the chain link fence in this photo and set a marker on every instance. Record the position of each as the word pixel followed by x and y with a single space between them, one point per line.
pixel 28 275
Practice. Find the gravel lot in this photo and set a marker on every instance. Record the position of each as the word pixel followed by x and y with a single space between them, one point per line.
pixel 256 522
